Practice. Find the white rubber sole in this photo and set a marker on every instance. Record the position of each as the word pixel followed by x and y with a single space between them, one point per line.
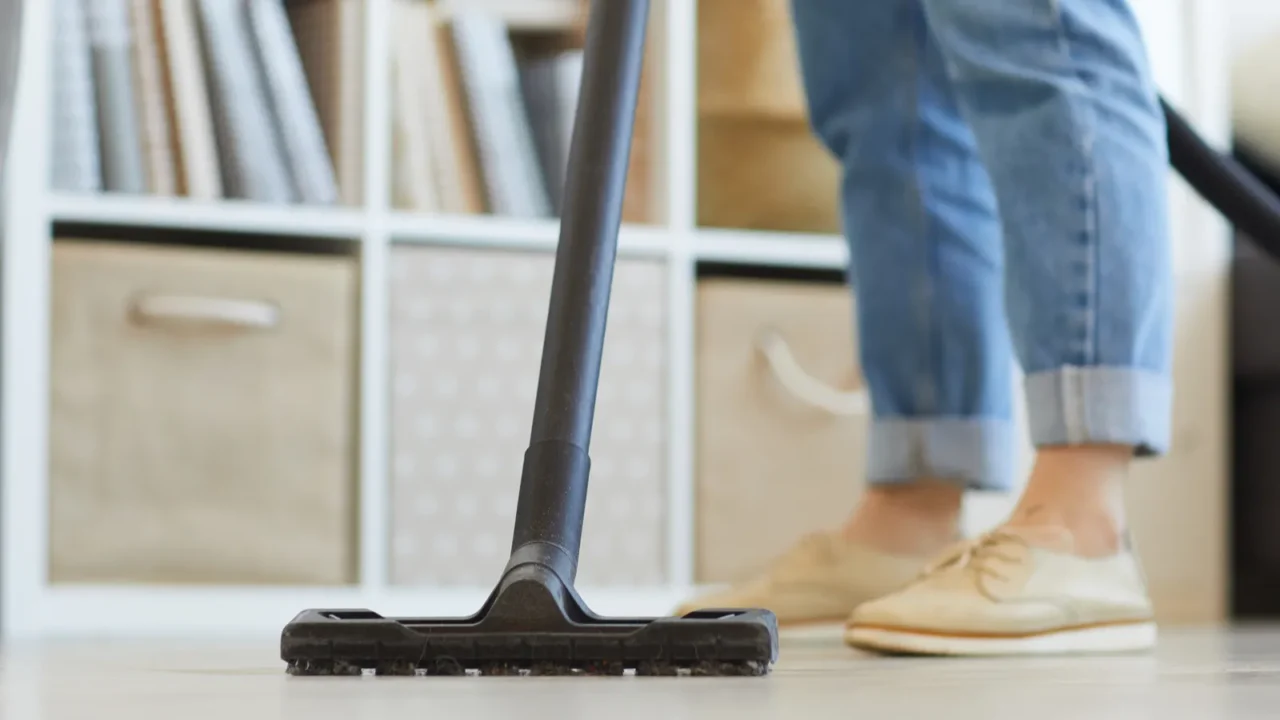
pixel 1131 637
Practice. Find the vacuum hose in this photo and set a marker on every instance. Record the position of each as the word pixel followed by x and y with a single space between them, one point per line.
pixel 1224 183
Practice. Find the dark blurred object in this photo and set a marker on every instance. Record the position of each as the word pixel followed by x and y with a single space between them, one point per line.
pixel 1255 347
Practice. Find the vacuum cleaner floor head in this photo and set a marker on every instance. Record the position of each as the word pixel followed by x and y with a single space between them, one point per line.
pixel 532 625
pixel 343 642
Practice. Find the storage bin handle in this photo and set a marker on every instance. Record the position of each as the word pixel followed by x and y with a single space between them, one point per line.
pixel 234 312
pixel 804 386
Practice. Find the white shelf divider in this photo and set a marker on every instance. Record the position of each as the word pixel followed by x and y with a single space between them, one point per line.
pixel 24 403
pixel 678 142
pixel 513 233
pixel 756 247
pixel 231 216
pixel 374 480
pixel 680 489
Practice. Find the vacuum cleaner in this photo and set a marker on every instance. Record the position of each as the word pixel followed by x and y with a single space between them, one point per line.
pixel 534 622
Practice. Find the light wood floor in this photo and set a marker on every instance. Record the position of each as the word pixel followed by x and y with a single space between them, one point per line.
pixel 1194 675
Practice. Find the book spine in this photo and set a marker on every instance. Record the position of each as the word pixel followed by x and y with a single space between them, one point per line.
pixel 195 145
pixel 77 165
pixel 416 187
pixel 119 127
pixel 503 137
pixel 292 107
pixel 330 38
pixel 252 161
pixel 152 101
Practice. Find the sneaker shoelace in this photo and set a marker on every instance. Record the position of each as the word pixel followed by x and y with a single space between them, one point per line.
pixel 977 556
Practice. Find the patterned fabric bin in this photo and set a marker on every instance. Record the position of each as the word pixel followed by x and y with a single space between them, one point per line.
pixel 467 332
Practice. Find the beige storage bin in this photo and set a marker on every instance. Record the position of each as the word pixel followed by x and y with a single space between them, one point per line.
pixel 466 342
pixel 747 60
pixel 202 426
pixel 759 165
pixel 771 466
pixel 764 175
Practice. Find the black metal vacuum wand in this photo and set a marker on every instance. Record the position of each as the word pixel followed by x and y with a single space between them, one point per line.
pixel 534 622
pixel 553 490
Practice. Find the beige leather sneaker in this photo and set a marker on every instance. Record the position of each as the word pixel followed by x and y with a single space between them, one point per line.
pixel 1006 594
pixel 819 581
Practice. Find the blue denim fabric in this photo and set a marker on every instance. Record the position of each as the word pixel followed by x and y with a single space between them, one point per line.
pixel 1005 202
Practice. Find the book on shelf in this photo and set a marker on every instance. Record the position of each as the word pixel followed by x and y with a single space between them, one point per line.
pixel 205 99
pixel 119 127
pixel 253 164
pixel 435 162
pixel 499 119
pixel 297 124
pixel 449 127
pixel 550 86
pixel 194 144
pixel 77 159
pixel 480 122
pixel 415 184
pixel 330 38
pixel 157 140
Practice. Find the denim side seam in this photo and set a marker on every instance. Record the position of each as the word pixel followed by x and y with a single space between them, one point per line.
pixel 1086 128
pixel 924 385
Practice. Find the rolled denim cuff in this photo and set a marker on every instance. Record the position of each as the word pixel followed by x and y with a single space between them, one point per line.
pixel 979 454
pixel 1100 406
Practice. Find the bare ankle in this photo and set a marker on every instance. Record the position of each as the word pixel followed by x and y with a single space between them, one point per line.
pixel 1079 490
pixel 916 518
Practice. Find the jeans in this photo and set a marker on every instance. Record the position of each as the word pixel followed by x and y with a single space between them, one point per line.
pixel 1004 197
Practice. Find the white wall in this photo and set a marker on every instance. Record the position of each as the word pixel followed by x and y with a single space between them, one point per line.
pixel 1254 43
pixel 1252 22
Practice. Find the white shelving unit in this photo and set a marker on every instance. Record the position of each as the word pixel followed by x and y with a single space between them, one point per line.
pixel 1186 44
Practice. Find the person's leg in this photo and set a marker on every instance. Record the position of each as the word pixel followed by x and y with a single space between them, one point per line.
pixel 921 222
pixel 1067 116
pixel 925 265
pixel 1067 119
pixel 923 232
